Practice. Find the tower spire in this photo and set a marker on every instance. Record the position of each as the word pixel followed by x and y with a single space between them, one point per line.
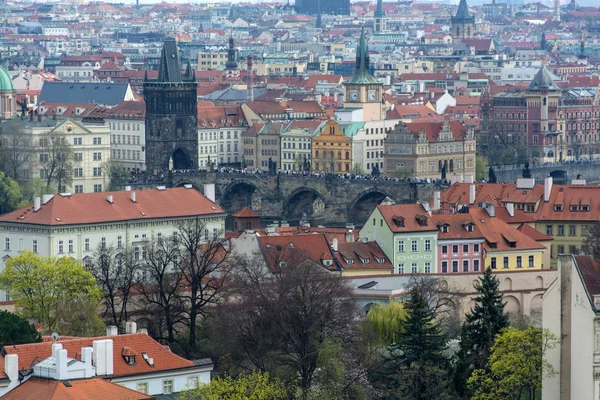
pixel 362 74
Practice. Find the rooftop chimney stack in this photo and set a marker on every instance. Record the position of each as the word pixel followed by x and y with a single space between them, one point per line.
pixel 547 188
pixel 11 367
pixel 472 192
pixel 36 204
pixel 510 207
pixel 209 191
pixel 86 358
pixel 130 327
pixel 349 236
pixel 133 197
pixel 60 357
pixel 334 246
pixel 110 198
pixel 112 330
pixel 250 89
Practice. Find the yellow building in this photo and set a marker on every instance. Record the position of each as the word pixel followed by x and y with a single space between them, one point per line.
pixel 211 60
pixel 331 150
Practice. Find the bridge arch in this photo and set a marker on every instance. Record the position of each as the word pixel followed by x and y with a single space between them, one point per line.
pixel 304 200
pixel 363 205
pixel 240 193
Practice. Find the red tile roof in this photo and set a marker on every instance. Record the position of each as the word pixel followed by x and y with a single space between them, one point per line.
pixel 534 233
pixel 246 213
pixel 568 195
pixel 433 129
pixel 406 213
pixel 79 389
pixel 357 252
pixel 456 224
pixel 164 359
pixel 590 273
pixel 313 245
pixel 93 208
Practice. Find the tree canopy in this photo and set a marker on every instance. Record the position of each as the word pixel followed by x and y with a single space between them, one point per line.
pixel 16 330
pixel 253 386
pixel 11 194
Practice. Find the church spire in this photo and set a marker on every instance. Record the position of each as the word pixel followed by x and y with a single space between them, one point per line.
pixel 231 63
pixel 362 74
pixel 379 13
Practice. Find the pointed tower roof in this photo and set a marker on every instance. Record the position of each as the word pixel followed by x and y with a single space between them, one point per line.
pixel 362 74
pixel 463 14
pixel 379 12
pixel 170 68
pixel 231 63
pixel 543 81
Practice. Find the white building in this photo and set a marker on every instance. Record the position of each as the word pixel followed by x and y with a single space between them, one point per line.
pixel 128 134
pixel 75 225
pixel 133 360
pixel 90 144
pixel 296 141
pixel 367 143
pixel 219 134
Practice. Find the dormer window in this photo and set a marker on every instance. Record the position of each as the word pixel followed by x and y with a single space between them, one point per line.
pixel 558 207
pixel 574 208
pixel 365 260
pixel 399 221
pixel 128 355
pixel 379 260
pixel 469 227
pixel 327 263
pixel 585 208
pixel 421 220
pixel 444 228
pixel 349 260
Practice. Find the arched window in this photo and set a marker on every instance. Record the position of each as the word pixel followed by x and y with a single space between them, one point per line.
pixel 317 154
pixel 550 153
pixel 347 155
pixel 440 166
pixel 339 155
pixel 332 156
pixel 451 165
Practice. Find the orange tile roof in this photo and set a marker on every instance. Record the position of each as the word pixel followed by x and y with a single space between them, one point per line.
pixel 164 359
pixel 571 195
pixel 246 213
pixel 497 193
pixel 314 245
pixel 409 213
pixel 433 129
pixel 93 208
pixel 534 233
pixel 456 226
pixel 359 251
pixel 80 389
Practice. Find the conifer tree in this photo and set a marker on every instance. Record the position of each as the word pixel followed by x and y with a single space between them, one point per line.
pixel 485 320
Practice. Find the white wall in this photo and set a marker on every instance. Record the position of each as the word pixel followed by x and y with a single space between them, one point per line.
pixel 182 380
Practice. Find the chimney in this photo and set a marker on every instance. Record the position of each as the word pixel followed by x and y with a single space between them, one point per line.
pixel 108 357
pixel 11 367
pixel 437 204
pixel 112 330
pixel 547 188
pixel 128 188
pixel 491 210
pixel 510 207
pixel 472 192
pixel 60 357
pixel 209 191
pixel 349 236
pixel 110 198
pixel 36 204
pixel 102 356
pixel 86 358
pixel 130 327
pixel 334 246
pixel 143 330
pixel 133 197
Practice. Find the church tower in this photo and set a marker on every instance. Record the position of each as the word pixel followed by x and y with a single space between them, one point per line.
pixel 231 66
pixel 171 114
pixel 463 23
pixel 379 17
pixel 363 90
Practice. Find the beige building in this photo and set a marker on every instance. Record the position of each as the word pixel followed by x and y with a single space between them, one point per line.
pixel 211 60
pixel 430 150
pixel 261 143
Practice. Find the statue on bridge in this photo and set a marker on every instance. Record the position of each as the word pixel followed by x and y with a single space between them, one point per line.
pixel 272 166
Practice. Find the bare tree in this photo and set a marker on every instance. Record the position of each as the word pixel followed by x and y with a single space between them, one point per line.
pixel 16 151
pixel 114 270
pixel 56 160
pixel 163 285
pixel 203 266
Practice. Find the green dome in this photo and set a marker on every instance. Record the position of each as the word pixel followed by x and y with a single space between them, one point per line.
pixel 6 84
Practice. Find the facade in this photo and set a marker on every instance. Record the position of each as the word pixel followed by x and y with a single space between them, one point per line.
pixel 171 114
pixel 460 244
pixel 75 225
pixel 220 131
pixel 331 150
pixel 379 16
pixel 368 144
pixel 336 7
pixel 261 145
pixel 209 60
pixel 128 134
pixel 296 144
pixel 363 91
pixel 430 149
pixel 463 23
pixel 42 138
pixel 407 234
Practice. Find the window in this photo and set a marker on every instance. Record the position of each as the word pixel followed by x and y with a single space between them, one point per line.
pixel 444 249
pixel 427 244
pixel 71 246
pixel 455 266
pixel 159 238
pixel 549 230
pixel 97 188
pixel 414 246
pixel 77 141
pixel 103 243
pixel 7 244
pixel 44 157
pixel 192 382
pixel 414 268
pixel 98 140
pixel 455 248
pixel 465 265
pixel 444 267
pixel 572 230
pixel 142 387
pixel 505 262
pixel 78 188
pixel 119 241
pixel 34 246
pixel 519 262
pixel 401 246
pixel 561 230
pixel 78 156
pixel 60 247
pixel 97 171
pixel 476 248
pixel 475 265
pixel 560 249
pixel 531 261
pixel 168 387
pixel 86 244
pixel 465 248
pixel 572 249
pixel 401 268
pixel 493 263
pixel 585 230
pixel 78 172
pixel 427 267
pixel 97 156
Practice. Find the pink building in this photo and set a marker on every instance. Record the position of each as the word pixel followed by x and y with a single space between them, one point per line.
pixel 460 244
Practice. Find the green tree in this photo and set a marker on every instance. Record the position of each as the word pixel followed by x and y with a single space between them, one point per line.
pixel 387 320
pixel 16 330
pixel 56 160
pixel 416 366
pixel 254 386
pixel 516 366
pixel 11 194
pixel 79 316
pixel 357 169
pixel 118 175
pixel 591 243
pixel 482 323
pixel 481 167
pixel 38 284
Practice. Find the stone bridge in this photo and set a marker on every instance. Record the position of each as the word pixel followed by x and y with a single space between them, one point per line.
pixel 324 200
pixel 589 171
